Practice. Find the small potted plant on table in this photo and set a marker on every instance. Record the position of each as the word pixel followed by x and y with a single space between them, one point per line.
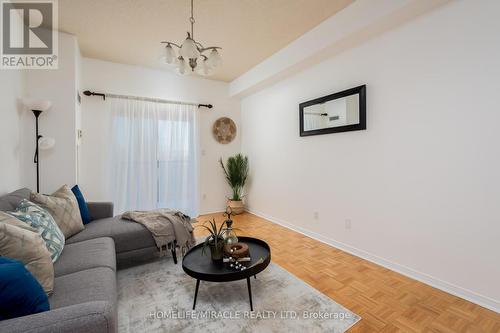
pixel 236 172
pixel 215 240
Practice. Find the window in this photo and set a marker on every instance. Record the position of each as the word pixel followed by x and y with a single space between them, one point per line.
pixel 154 156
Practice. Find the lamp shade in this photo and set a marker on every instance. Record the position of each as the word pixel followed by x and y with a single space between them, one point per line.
pixel 45 143
pixel 40 104
pixel 189 49
pixel 181 67
pixel 214 59
pixel 202 68
pixel 163 61
pixel 170 56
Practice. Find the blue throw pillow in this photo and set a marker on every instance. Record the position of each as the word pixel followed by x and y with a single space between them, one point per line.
pixel 82 204
pixel 20 292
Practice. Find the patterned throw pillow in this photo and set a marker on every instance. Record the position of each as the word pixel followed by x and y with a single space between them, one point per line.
pixel 27 247
pixel 39 219
pixel 63 207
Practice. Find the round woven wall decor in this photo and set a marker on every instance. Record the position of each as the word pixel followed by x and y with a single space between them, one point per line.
pixel 224 130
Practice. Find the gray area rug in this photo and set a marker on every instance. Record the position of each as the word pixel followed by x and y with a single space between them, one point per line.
pixel 158 297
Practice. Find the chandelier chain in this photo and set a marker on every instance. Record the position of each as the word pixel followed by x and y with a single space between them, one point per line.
pixel 191 19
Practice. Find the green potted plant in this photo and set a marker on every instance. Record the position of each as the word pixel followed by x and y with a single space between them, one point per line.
pixel 215 240
pixel 236 172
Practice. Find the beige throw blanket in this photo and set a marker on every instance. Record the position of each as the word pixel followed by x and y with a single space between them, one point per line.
pixel 166 226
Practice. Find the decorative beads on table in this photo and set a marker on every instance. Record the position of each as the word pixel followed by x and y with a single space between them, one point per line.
pixel 236 265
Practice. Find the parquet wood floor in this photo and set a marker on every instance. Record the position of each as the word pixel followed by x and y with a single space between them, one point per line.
pixel 388 302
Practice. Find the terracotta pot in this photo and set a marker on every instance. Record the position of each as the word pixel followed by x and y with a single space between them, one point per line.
pixel 237 207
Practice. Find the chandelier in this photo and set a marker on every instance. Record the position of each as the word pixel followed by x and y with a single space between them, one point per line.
pixel 193 56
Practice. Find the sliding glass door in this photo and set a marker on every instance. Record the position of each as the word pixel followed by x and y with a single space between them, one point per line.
pixel 154 156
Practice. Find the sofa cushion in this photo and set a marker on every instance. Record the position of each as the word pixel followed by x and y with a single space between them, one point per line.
pixel 95 317
pixel 20 292
pixel 92 253
pixel 127 235
pixel 10 201
pixel 27 247
pixel 64 208
pixel 38 218
pixel 100 210
pixel 96 284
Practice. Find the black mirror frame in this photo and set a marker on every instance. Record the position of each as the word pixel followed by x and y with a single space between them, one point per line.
pixel 361 90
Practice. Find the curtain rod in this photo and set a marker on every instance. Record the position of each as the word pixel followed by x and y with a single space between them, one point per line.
pixel 149 99
pixel 316 114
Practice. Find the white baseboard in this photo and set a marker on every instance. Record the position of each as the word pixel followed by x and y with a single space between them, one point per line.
pixel 450 288
pixel 211 213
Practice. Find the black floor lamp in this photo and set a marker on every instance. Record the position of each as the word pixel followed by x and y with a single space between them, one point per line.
pixel 41 143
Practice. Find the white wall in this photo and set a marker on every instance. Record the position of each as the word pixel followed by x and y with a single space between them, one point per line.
pixel 109 77
pixel 11 114
pixel 57 165
pixel 353 25
pixel 421 186
pixel 78 109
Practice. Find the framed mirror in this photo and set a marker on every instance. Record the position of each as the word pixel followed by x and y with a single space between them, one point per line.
pixel 340 112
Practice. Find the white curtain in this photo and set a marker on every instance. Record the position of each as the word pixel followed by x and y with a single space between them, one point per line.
pixel 153 156
pixel 312 122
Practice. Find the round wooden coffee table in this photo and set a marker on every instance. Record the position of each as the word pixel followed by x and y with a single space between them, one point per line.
pixel 201 267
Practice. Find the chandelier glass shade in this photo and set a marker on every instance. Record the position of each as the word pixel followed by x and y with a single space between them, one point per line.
pixel 191 56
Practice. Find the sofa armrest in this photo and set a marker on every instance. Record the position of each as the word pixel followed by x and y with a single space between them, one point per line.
pixel 97 316
pixel 100 210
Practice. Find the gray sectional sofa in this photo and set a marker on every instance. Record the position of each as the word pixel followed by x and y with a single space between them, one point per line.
pixel 85 294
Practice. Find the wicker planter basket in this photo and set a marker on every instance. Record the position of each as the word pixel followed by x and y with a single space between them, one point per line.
pixel 237 207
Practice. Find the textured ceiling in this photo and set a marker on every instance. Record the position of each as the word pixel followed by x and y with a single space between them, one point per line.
pixel 130 31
